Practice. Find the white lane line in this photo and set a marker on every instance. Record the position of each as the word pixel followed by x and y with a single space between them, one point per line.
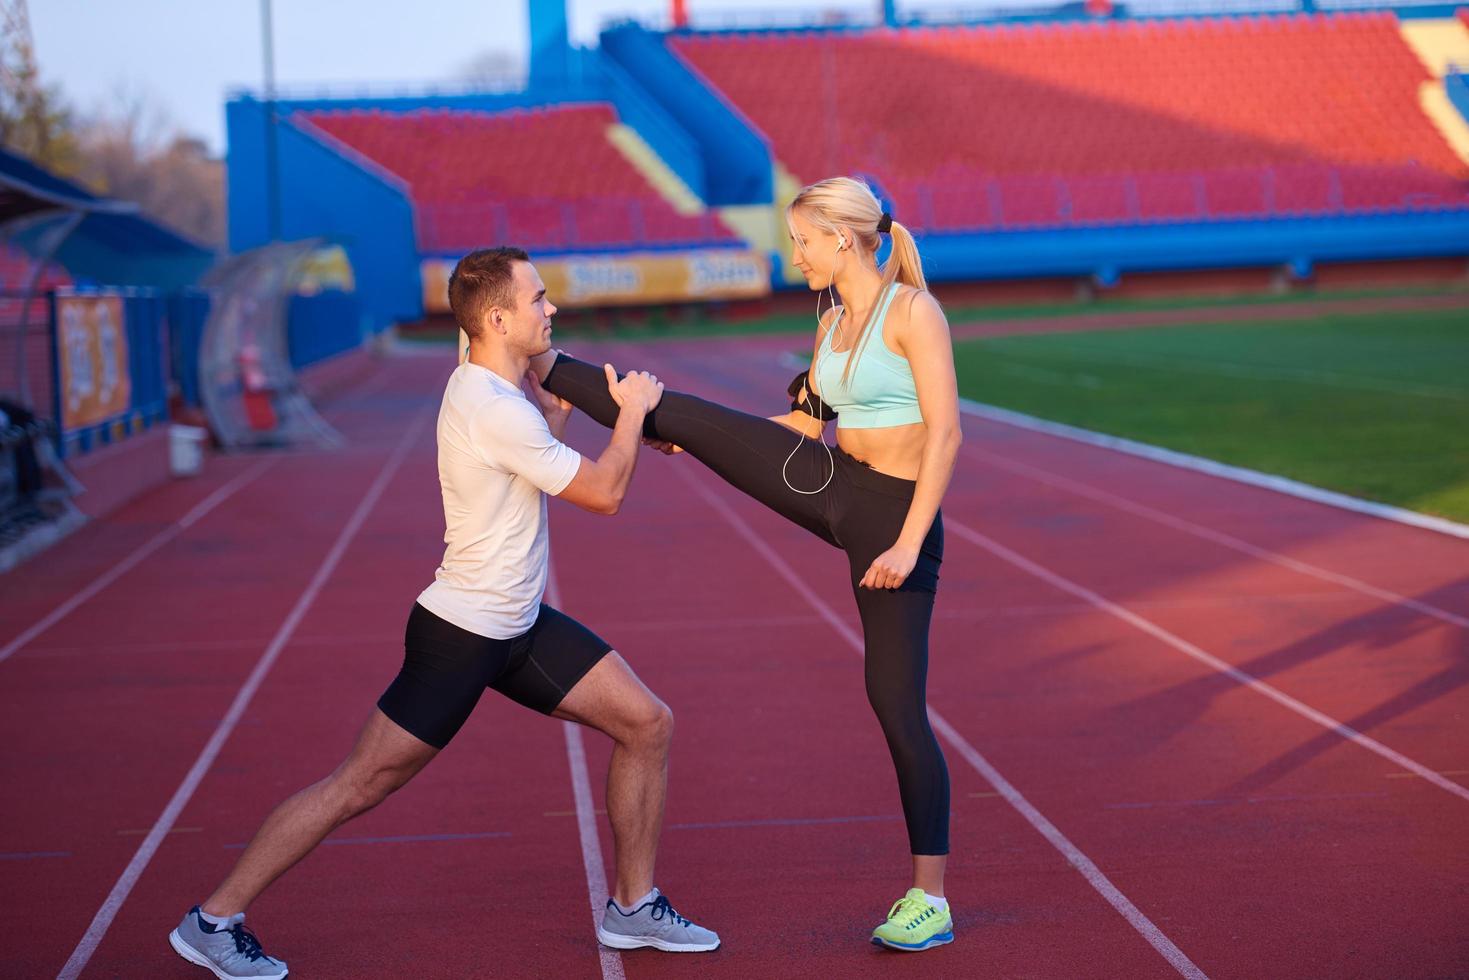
pixel 586 822
pixel 130 562
pixel 1091 492
pixel 1036 819
pixel 1203 657
pixel 163 537
pixel 113 903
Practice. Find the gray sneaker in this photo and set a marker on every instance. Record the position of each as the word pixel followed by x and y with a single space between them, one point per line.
pixel 230 951
pixel 656 924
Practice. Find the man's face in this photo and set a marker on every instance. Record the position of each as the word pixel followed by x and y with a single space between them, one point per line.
pixel 528 326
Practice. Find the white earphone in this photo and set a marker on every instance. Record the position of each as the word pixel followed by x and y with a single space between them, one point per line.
pixel 815 368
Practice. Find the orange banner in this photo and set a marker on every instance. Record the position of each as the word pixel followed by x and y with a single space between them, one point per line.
pixel 631 279
pixel 92 346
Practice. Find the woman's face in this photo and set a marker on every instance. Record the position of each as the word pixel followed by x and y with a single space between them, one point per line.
pixel 814 251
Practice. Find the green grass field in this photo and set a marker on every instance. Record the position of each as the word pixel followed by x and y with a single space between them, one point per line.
pixel 1377 406
pixel 696 320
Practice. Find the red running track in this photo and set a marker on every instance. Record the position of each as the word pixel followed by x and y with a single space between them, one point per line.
pixel 1141 673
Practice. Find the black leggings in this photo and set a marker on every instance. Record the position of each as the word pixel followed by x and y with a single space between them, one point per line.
pixel 862 512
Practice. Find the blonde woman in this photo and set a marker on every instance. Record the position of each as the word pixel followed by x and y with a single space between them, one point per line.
pixel 883 369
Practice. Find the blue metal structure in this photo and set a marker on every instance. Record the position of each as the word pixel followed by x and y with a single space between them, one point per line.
pixel 111 244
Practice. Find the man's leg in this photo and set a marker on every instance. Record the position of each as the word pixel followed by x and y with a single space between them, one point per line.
pixel 384 758
pixel 569 672
pixel 611 699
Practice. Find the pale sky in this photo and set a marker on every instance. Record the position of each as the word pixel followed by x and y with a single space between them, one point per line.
pixel 184 55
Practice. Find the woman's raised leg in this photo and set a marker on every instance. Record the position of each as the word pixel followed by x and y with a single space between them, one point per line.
pixel 752 454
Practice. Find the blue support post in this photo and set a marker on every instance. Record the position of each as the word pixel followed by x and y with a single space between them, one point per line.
pixel 550 46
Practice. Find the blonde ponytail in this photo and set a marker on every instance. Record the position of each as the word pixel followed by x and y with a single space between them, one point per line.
pixel 906 260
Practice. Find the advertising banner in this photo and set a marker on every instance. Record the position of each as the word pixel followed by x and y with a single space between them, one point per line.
pixel 629 279
pixel 92 360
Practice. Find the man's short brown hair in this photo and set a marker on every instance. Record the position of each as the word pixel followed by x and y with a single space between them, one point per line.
pixel 483 279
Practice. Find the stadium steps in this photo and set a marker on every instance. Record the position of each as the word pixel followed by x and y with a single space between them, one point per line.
pixel 1440 44
pixel 657 173
pixel 758 224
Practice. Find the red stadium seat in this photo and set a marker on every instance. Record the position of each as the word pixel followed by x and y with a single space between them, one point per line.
pixel 1066 123
pixel 481 178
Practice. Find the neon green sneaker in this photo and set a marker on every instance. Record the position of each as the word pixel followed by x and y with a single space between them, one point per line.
pixel 913 924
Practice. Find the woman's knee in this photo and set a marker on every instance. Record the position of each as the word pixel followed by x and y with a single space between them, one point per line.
pixel 896 705
pixel 906 726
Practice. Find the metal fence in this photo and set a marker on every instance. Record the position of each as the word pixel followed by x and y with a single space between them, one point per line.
pixel 960 200
pixel 26 368
pixel 610 223
pixel 89 363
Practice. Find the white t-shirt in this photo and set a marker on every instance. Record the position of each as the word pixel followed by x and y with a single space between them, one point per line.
pixel 497 461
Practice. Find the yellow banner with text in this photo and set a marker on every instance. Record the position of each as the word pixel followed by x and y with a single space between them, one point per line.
pixel 92 348
pixel 629 279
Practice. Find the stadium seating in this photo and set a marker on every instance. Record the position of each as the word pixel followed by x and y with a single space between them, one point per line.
pixel 544 178
pixel 1075 123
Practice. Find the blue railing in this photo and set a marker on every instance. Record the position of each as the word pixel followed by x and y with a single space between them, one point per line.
pixel 323 326
pixel 960 200
pixel 187 311
pixel 551 224
pixel 639 110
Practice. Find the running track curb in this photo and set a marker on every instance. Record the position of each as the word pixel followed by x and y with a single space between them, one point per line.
pixel 1199 464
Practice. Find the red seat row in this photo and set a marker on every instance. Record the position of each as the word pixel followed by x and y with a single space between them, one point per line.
pixel 541 178
pixel 1088 104
pixel 960 201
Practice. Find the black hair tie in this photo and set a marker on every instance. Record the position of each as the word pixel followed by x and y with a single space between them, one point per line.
pixel 885 223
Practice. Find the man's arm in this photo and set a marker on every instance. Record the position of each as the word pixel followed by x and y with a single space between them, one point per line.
pixel 556 410
pixel 600 486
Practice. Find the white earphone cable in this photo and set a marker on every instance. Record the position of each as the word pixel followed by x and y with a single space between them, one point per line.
pixel 815 369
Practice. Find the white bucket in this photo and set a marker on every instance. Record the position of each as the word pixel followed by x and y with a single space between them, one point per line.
pixel 186 449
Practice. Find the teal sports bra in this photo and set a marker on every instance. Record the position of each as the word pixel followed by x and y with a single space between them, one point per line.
pixel 880 392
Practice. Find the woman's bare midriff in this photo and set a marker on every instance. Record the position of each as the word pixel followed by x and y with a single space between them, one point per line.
pixel 895 450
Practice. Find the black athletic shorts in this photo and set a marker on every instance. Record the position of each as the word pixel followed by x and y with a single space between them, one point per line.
pixel 446 669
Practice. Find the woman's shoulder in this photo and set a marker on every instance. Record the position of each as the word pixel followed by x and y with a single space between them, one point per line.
pixel 908 296
pixel 918 315
pixel 916 304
